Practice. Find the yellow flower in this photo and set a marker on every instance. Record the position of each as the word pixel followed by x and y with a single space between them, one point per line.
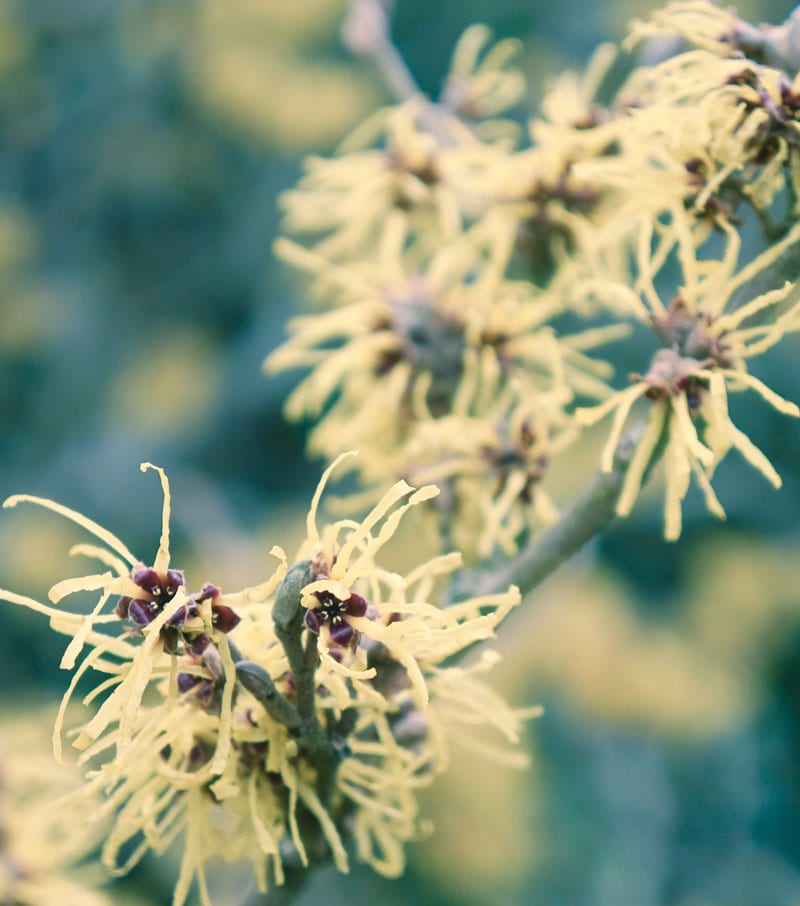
pixel 708 332
pixel 489 456
pixel 724 110
pixel 479 88
pixel 205 738
pixel 698 21
pixel 389 667
pixel 396 348
pixel 414 175
pixel 419 171
pixel 159 747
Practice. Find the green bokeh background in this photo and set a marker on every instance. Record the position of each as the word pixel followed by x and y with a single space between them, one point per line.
pixel 143 146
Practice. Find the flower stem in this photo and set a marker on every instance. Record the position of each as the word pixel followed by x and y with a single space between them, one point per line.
pixel 366 33
pixel 591 512
pixel 287 615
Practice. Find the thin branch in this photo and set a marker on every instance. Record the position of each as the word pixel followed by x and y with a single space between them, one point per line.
pixel 775 45
pixel 365 32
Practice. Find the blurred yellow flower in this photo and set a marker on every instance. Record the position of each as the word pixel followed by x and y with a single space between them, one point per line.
pixel 268 70
pixel 46 833
pixel 708 332
pixel 398 349
pixel 490 461
pixel 416 173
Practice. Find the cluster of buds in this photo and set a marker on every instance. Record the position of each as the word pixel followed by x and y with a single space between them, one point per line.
pixel 158 589
pixel 185 631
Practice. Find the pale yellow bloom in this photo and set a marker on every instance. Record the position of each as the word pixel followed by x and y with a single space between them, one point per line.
pixel 730 121
pixel 697 21
pixel 709 331
pixel 420 185
pixel 396 348
pixel 159 746
pixel 490 458
pixel 481 85
pixel 420 171
pixel 705 132
pixel 394 675
pixel 176 755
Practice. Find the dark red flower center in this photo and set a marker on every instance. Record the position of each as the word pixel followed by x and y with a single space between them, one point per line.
pixel 334 612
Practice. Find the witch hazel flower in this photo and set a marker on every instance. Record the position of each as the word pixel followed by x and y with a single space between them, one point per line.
pixel 399 346
pixel 158 611
pixel 422 169
pixel 385 653
pixel 351 599
pixel 160 741
pixel 490 459
pixel 722 116
pixel 334 613
pixel 708 332
pixel 210 733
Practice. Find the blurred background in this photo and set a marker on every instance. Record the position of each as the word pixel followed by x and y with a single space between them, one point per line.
pixel 143 146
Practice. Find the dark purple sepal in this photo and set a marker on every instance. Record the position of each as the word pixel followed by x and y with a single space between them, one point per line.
pixel 197 645
pixel 140 612
pixel 161 587
pixel 342 633
pixel 208 696
pixel 208 591
pixel 175 580
pixel 187 681
pixel 312 621
pixel 224 618
pixel 121 610
pixel 178 618
pixel 355 605
pixel 147 579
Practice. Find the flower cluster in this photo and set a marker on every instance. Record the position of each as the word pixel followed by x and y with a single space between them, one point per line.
pixel 716 130
pixel 446 300
pixel 426 321
pixel 281 724
pixel 467 276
